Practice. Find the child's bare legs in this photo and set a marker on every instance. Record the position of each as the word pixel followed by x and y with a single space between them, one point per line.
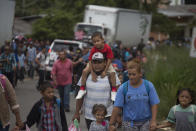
pixel 113 83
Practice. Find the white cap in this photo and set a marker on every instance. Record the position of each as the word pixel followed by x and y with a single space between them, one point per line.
pixel 97 56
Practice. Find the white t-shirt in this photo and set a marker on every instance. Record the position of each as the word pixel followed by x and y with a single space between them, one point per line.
pixel 97 93
pixel 41 57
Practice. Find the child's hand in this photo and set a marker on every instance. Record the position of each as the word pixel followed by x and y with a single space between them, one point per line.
pixel 103 74
pixel 94 77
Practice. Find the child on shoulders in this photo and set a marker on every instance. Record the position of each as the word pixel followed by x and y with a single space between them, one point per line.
pixel 99 46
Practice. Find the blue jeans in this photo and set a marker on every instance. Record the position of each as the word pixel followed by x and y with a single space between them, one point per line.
pixel 4 129
pixel 64 94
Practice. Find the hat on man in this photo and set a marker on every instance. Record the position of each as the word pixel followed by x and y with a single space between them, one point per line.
pixel 97 56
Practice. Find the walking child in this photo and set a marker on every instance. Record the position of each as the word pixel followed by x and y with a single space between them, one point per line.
pixel 182 115
pixel 99 111
pixel 48 112
pixel 99 46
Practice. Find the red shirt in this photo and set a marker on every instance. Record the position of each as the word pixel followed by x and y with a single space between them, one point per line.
pixel 63 72
pixel 107 52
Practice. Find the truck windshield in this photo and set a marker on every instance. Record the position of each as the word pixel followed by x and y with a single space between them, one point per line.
pixel 89 29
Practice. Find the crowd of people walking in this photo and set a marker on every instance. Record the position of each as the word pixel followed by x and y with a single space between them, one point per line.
pixel 110 85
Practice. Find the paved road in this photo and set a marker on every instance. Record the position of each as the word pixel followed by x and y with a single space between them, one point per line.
pixel 27 95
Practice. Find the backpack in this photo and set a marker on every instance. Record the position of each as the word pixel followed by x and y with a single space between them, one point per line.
pixel 125 88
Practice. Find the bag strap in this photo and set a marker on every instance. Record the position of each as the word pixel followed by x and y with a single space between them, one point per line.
pixel 125 89
pixel 146 83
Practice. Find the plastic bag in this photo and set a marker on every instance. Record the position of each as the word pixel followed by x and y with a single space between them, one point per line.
pixel 74 126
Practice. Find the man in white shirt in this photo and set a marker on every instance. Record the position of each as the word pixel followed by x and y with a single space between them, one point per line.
pixel 97 92
pixel 40 60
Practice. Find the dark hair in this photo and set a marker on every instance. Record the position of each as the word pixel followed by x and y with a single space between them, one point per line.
pixel 45 85
pixel 99 107
pixel 95 34
pixel 191 92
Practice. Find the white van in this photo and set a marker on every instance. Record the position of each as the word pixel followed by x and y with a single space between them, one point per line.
pixel 56 46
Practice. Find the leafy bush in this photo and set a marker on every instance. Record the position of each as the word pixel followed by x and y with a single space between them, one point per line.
pixel 170 68
pixel 56 25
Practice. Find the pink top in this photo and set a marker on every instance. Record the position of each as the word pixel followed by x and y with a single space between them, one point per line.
pixel 63 72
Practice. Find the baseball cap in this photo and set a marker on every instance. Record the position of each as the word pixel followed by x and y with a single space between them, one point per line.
pixel 97 56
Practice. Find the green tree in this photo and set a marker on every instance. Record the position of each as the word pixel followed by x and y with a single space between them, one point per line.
pixel 57 24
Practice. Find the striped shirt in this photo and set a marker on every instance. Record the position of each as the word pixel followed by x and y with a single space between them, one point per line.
pixel 97 93
pixel 8 66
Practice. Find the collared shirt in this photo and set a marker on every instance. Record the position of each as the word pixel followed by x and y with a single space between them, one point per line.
pixel 8 67
pixel 63 72
pixel 48 119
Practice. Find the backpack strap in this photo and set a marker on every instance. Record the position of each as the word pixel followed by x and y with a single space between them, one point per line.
pixel 125 89
pixel 146 84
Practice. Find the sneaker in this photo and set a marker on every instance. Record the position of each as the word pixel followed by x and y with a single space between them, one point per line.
pixel 81 93
pixel 113 96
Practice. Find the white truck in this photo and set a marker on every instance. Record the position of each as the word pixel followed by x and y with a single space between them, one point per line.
pixel 116 24
pixel 7 12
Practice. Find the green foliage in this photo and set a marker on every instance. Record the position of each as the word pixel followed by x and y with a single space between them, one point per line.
pixel 53 26
pixel 161 23
pixel 170 68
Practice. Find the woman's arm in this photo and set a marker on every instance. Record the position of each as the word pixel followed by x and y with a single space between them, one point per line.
pixel 112 122
pixel 153 122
